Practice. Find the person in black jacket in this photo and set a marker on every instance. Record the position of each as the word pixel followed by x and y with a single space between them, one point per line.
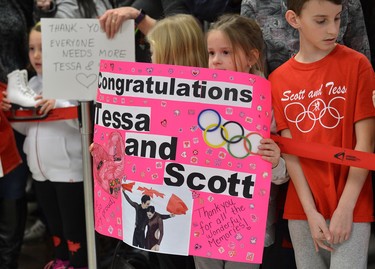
pixel 15 22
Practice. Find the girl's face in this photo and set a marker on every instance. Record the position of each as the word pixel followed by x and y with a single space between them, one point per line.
pixel 222 55
pixel 35 50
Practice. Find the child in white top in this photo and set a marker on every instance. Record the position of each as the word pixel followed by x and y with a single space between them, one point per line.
pixel 54 155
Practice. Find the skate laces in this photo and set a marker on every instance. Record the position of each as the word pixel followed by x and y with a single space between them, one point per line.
pixel 28 92
pixel 24 87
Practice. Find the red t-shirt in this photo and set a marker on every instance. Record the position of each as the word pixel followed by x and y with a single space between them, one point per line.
pixel 320 102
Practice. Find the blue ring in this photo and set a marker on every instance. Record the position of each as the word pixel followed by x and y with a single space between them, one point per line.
pixel 218 124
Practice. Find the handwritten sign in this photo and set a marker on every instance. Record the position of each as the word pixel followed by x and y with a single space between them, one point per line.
pixel 72 50
pixel 174 159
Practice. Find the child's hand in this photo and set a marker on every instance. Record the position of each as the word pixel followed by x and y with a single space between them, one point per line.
pixel 46 104
pixel 91 148
pixel 373 98
pixel 269 151
pixel 5 104
pixel 341 225
pixel 319 231
pixel 43 4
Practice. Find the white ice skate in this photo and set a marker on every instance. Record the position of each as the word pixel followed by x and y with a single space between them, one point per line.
pixel 21 96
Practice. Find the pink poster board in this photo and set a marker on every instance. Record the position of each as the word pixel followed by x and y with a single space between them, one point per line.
pixel 186 137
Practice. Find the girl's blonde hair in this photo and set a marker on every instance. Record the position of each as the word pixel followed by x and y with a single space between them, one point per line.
pixel 37 27
pixel 245 34
pixel 178 40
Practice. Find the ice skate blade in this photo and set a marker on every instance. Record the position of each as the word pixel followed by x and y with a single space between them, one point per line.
pixel 19 107
pixel 26 114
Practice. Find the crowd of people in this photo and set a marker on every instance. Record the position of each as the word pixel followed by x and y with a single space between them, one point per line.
pixel 311 45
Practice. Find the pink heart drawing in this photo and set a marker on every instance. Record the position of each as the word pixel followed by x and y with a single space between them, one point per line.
pixel 195 73
pixel 86 80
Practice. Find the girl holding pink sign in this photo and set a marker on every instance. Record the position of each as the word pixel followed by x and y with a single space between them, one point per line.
pixel 182 36
pixel 236 43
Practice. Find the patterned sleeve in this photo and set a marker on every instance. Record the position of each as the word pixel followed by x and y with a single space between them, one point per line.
pixel 353 28
pixel 171 7
pixel 247 9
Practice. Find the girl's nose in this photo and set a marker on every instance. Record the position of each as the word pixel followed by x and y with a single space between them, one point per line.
pixel 216 59
pixel 37 53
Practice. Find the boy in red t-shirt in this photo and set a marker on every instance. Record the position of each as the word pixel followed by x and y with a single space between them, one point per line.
pixel 323 94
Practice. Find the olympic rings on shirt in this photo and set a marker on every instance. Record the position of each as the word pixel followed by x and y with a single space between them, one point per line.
pixel 227 137
pixel 316 112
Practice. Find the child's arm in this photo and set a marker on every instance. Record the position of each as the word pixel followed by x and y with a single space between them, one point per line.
pixel 270 152
pixel 5 104
pixel 342 219
pixel 21 127
pixel 373 98
pixel 318 226
pixel 279 172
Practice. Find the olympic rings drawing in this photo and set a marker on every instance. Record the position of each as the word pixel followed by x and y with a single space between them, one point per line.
pixel 208 130
pixel 206 111
pixel 317 111
pixel 246 141
pixel 228 138
pixel 240 136
pixel 247 136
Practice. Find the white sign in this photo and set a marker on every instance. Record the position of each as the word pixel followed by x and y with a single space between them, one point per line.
pixel 72 50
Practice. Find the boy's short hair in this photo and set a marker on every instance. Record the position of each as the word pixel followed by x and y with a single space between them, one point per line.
pixel 297 5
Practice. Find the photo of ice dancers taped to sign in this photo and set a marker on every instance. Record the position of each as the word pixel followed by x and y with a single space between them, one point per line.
pixel 184 141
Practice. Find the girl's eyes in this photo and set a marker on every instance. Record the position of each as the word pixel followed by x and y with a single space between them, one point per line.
pixel 225 52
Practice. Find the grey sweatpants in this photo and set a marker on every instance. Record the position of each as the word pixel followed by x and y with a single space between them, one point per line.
pixel 350 254
pixel 207 263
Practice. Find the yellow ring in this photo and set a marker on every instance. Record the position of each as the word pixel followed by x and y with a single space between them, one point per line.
pixel 212 145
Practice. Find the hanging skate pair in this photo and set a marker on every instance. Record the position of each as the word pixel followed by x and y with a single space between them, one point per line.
pixel 22 97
